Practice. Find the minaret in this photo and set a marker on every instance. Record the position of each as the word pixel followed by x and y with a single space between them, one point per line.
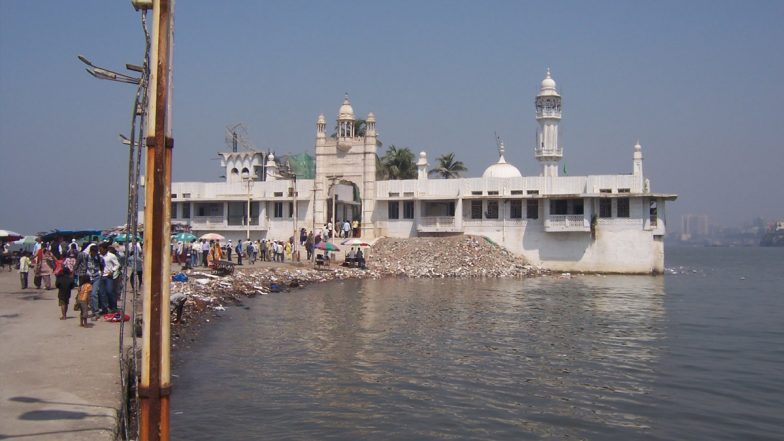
pixel 639 180
pixel 637 160
pixel 272 168
pixel 548 151
pixel 321 129
pixel 422 166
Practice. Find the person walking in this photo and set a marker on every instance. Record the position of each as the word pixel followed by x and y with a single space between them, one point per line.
pixel 94 272
pixel 238 249
pixel 287 250
pixel 195 253
pixel 205 251
pixel 83 299
pixel 24 269
pixel 309 245
pixel 346 229
pixel 43 265
pixel 251 250
pixel 111 270
pixel 64 282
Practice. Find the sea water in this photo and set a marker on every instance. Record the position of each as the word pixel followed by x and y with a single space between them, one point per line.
pixel 695 354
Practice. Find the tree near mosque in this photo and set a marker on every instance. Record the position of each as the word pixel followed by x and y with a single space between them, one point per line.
pixel 447 167
pixel 360 129
pixel 398 163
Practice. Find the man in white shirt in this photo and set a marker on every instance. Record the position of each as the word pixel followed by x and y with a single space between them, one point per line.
pixel 111 272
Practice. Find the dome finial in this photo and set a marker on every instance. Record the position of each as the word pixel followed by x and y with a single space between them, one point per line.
pixel 548 72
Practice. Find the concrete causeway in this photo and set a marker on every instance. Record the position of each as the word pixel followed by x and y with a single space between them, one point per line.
pixel 58 381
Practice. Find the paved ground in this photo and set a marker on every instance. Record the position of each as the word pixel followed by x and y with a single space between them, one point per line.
pixel 57 381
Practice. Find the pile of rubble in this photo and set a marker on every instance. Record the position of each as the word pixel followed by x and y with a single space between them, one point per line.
pixel 431 257
pixel 455 256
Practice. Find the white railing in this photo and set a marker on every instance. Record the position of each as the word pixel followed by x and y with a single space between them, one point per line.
pixel 207 220
pixel 549 152
pixel 437 221
pixel 566 222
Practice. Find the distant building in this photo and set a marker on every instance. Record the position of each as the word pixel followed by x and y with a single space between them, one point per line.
pixel 694 227
pixel 597 223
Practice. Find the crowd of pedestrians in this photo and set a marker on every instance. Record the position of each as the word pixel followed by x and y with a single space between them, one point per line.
pixel 94 269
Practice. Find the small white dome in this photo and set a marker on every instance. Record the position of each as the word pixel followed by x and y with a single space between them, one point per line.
pixel 321 119
pixel 346 111
pixel 501 169
pixel 548 85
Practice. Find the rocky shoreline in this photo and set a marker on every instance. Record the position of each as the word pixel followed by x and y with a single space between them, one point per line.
pixel 421 257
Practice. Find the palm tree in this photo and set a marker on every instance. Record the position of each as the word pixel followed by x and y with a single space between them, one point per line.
pixel 399 163
pixel 447 167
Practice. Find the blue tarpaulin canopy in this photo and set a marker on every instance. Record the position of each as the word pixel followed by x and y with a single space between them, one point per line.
pixel 68 234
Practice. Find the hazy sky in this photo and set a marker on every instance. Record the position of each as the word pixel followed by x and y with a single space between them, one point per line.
pixel 701 84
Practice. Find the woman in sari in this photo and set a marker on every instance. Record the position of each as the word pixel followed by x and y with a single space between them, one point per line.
pixel 43 265
pixel 215 254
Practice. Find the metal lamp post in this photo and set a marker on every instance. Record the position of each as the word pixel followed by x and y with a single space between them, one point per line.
pixel 246 176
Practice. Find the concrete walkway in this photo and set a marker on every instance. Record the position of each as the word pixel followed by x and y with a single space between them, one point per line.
pixel 58 381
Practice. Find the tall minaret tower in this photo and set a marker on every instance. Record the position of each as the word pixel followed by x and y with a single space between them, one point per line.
pixel 548 114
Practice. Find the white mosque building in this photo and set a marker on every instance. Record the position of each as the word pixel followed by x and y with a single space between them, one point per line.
pixel 596 223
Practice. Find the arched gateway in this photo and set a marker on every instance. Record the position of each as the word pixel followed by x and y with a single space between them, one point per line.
pixel 346 167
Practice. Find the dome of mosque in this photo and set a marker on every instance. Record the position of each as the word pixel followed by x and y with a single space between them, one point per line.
pixel 501 169
pixel 346 111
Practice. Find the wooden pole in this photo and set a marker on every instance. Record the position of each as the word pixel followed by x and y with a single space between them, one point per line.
pixel 155 385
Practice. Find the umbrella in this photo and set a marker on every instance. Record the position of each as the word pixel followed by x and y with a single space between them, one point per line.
pixel 122 237
pixel 9 236
pixel 184 237
pixel 326 246
pixel 212 236
pixel 355 243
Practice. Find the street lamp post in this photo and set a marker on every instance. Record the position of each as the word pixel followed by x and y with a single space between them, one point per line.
pixel 334 179
pixel 246 176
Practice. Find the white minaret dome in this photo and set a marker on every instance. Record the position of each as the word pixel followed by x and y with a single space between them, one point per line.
pixel 321 119
pixel 501 169
pixel 371 117
pixel 637 147
pixel 548 85
pixel 346 111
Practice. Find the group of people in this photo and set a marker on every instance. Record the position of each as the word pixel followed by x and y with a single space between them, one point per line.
pixel 345 229
pixel 204 252
pixel 95 269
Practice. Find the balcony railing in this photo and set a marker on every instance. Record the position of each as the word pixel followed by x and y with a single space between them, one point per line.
pixel 207 220
pixel 436 224
pixel 549 152
pixel 566 222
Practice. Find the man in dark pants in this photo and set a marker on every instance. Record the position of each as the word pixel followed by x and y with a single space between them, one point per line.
pixel 239 252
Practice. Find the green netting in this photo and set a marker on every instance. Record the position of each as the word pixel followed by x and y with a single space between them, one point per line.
pixel 303 165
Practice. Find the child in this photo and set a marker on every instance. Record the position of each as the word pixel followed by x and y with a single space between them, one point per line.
pixel 24 269
pixel 83 299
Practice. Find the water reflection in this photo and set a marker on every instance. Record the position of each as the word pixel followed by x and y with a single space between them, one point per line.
pixel 433 359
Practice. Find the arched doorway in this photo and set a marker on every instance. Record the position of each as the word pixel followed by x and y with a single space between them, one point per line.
pixel 344 200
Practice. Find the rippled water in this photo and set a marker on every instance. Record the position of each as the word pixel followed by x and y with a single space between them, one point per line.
pixel 696 354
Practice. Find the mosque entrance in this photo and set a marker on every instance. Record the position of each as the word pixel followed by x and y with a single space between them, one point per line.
pixel 345 201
